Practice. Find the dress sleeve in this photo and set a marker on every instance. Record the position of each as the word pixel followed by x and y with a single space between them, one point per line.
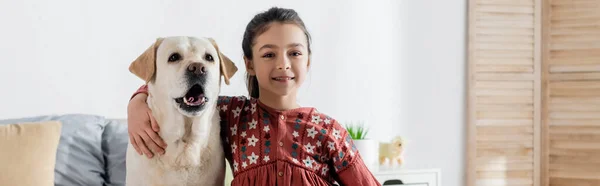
pixel 143 89
pixel 230 108
pixel 348 166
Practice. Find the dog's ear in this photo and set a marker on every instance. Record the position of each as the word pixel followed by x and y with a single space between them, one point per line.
pixel 144 66
pixel 228 68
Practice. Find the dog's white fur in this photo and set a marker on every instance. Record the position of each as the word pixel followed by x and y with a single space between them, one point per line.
pixel 194 154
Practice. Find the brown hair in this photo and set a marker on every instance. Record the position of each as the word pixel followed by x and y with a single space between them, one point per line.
pixel 258 25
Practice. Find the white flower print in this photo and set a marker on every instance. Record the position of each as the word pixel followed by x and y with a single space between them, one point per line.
pixel 312 132
pixel 327 121
pixel 294 160
pixel 308 162
pixel 235 165
pixel 236 112
pixel 224 108
pixel 309 148
pixel 318 143
pixel 253 158
pixel 253 124
pixel 252 141
pixel 266 128
pixel 336 134
pixel 244 165
pixel 295 134
pixel 253 108
pixel 233 147
pixel 331 145
pixel 243 134
pixel 233 130
pixel 324 170
pixel 316 119
pixel 266 158
pixel 317 166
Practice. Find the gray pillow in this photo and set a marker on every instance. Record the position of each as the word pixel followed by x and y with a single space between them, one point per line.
pixel 114 144
pixel 79 158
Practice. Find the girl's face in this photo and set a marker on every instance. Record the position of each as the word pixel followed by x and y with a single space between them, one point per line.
pixel 280 59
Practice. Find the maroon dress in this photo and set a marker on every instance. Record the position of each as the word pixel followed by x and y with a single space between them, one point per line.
pixel 295 147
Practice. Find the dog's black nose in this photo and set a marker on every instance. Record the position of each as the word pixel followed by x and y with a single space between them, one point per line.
pixel 197 68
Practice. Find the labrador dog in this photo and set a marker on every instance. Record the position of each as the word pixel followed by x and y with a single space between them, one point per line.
pixel 183 75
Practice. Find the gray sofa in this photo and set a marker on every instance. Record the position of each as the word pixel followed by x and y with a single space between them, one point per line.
pixel 91 150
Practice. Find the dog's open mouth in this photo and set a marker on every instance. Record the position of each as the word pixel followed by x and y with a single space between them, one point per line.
pixel 194 97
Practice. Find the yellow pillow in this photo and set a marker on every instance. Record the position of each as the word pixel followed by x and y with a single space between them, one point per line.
pixel 28 153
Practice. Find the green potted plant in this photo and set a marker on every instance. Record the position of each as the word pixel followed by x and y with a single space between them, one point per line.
pixel 367 148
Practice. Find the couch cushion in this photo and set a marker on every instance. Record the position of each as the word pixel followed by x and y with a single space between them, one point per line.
pixel 79 157
pixel 115 139
pixel 28 153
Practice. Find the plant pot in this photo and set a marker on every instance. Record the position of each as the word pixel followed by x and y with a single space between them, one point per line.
pixel 369 151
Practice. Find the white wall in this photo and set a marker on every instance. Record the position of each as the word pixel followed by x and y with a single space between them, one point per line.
pixel 399 64
pixel 432 81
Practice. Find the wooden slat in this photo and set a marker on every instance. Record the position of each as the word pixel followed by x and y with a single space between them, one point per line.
pixel 574 145
pixel 500 54
pixel 504 38
pixel 510 9
pixel 505 174
pixel 503 65
pixel 576 93
pixel 504 2
pixel 505 24
pixel 495 130
pixel 504 122
pixel 574 107
pixel 504 152
pixel 574 130
pixel 592 52
pixel 574 100
pixel 503 46
pixel 504 92
pixel 504 137
pixel 575 159
pixel 576 181
pixel 504 85
pixel 582 60
pixel 486 76
pixel 488 16
pixel 506 181
pixel 505 68
pixel 574 115
pixel 574 76
pixel 574 122
pixel 574 31
pixel 506 31
pixel 505 107
pixel 587 39
pixel 574 136
pixel 516 115
pixel 504 61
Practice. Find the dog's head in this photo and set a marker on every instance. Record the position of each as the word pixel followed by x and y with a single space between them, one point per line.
pixel 185 71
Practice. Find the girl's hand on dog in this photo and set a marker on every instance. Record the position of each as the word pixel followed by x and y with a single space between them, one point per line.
pixel 143 129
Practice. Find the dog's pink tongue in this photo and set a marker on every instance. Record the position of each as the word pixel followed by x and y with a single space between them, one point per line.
pixel 190 100
pixel 195 100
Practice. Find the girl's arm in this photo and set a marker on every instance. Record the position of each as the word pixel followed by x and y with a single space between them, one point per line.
pixel 142 127
pixel 349 168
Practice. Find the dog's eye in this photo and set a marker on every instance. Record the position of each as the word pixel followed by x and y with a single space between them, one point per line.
pixel 209 57
pixel 174 57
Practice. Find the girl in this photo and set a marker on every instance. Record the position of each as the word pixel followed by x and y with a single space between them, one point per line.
pixel 268 138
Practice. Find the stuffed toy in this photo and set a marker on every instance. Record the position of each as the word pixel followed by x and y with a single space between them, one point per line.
pixel 391 151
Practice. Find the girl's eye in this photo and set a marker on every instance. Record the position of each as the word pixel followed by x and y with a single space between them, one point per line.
pixel 268 55
pixel 296 53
